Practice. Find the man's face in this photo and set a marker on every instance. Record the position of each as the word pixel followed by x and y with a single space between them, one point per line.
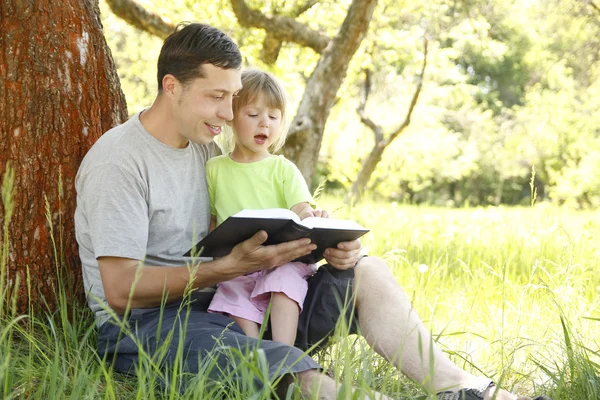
pixel 202 108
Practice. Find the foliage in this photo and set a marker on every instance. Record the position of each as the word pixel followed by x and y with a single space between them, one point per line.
pixel 503 92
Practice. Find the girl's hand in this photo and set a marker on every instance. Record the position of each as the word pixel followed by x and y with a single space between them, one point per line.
pixel 320 213
pixel 345 256
pixel 309 212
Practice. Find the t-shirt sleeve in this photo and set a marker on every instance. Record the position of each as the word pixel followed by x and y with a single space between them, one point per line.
pixel 294 188
pixel 117 212
pixel 214 150
pixel 211 170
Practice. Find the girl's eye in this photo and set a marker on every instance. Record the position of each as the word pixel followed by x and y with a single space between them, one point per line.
pixel 252 115
pixel 218 97
pixel 273 116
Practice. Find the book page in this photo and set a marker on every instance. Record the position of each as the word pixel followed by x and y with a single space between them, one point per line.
pixel 274 213
pixel 330 223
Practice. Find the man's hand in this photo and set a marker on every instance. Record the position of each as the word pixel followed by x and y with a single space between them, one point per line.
pixel 251 255
pixel 345 256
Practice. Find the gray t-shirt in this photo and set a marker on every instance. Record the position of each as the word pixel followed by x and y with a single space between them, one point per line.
pixel 139 198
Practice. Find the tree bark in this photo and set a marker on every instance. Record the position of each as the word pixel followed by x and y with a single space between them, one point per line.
pixel 60 92
pixel 307 128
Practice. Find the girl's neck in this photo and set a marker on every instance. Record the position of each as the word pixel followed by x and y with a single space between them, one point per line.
pixel 246 157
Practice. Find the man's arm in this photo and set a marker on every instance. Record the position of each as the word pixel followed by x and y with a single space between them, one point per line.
pixel 127 283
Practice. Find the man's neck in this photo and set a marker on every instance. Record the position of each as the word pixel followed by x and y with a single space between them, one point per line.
pixel 158 121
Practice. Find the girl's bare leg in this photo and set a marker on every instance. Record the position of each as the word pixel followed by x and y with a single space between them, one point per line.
pixel 250 328
pixel 284 318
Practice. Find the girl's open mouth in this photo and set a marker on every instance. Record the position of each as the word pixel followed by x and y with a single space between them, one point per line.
pixel 260 139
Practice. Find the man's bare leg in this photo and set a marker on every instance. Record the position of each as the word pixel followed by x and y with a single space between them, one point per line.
pixel 313 382
pixel 284 318
pixel 392 327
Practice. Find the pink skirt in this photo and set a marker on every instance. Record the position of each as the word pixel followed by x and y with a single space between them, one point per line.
pixel 248 296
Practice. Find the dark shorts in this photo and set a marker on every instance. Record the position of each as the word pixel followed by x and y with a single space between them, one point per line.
pixel 184 331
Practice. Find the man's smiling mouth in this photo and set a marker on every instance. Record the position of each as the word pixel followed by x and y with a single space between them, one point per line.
pixel 214 129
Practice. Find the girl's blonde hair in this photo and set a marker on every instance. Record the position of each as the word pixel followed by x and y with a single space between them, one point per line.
pixel 255 83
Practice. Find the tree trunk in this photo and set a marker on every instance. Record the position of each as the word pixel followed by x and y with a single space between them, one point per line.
pixel 306 131
pixel 59 92
pixel 364 176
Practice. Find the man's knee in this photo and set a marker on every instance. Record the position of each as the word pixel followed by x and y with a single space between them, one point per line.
pixel 371 270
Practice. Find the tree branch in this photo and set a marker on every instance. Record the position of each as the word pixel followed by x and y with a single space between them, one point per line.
pixel 591 3
pixel 364 96
pixel 270 49
pixel 413 101
pixel 282 28
pixel 140 18
pixel 271 45
pixel 302 8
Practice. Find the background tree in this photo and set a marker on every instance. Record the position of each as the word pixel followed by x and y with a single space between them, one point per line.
pixel 308 126
pixel 381 138
pixel 60 92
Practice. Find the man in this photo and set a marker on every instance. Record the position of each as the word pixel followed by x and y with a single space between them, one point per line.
pixel 142 202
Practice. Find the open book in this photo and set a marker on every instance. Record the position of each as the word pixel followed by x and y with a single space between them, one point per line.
pixel 282 226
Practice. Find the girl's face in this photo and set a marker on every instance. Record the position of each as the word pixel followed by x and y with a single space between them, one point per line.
pixel 256 128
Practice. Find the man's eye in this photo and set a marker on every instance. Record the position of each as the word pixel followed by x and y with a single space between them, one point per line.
pixel 218 97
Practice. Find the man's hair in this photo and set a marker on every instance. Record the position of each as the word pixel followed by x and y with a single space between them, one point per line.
pixel 255 83
pixel 191 46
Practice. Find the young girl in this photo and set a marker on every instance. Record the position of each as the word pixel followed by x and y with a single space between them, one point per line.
pixel 250 177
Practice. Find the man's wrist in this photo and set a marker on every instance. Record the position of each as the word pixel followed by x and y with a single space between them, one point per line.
pixel 209 273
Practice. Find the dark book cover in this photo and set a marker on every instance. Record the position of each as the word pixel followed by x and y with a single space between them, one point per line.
pixel 236 229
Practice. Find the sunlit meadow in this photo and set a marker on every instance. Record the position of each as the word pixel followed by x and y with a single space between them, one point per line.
pixel 511 293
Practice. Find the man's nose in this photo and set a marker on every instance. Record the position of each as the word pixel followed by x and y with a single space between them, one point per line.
pixel 225 112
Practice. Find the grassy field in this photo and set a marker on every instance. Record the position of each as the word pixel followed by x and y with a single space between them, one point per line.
pixel 511 293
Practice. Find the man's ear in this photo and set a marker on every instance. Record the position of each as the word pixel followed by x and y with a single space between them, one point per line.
pixel 170 84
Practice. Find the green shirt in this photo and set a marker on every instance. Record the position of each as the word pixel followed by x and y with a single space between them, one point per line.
pixel 274 182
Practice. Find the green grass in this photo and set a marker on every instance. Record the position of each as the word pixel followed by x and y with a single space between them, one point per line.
pixel 512 293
